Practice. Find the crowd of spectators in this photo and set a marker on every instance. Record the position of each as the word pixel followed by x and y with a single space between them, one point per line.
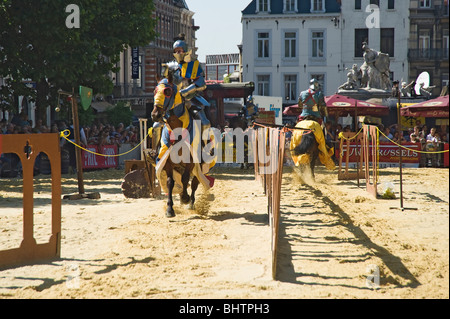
pixel 99 134
pixel 431 139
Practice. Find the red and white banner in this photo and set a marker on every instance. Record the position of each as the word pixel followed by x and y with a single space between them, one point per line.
pixel 389 154
pixel 92 161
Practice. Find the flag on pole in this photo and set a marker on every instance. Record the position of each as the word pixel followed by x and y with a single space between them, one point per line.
pixel 85 97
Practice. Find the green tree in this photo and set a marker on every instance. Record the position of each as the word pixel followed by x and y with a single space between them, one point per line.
pixel 86 117
pixel 119 113
pixel 36 44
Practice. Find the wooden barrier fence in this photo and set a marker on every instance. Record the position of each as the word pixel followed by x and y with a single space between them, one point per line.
pixel 269 155
pixel 368 160
pixel 370 149
pixel 269 150
pixel 344 172
pixel 28 147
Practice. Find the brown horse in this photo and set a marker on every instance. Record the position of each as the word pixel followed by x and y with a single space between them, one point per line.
pixel 308 145
pixel 167 110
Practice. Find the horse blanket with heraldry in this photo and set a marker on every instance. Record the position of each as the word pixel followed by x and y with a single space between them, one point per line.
pixel 325 153
pixel 188 138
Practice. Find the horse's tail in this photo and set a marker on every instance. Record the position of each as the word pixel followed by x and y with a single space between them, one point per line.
pixel 307 142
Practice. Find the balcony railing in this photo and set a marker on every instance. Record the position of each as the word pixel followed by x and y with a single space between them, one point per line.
pixel 428 54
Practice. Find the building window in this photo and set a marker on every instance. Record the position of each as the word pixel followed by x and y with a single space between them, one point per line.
pixel 263 6
pixel 357 4
pixel 424 39
pixel 424 43
pixel 290 45
pixel 425 4
pixel 361 35
pixel 263 44
pixel 387 41
pixel 290 88
pixel 317 45
pixel 263 84
pixel 317 5
pixel 445 44
pixel 375 2
pixel 391 4
pixel 290 6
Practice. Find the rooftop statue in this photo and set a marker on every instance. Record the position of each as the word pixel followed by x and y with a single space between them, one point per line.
pixel 353 78
pixel 373 73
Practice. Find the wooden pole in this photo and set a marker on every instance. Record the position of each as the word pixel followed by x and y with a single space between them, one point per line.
pixel 400 129
pixel 357 144
pixel 76 129
pixel 76 132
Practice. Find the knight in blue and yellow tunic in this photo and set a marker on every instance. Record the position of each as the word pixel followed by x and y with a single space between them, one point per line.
pixel 168 98
pixel 190 80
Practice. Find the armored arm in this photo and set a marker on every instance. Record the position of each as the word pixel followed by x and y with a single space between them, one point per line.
pixel 197 85
pixel 192 71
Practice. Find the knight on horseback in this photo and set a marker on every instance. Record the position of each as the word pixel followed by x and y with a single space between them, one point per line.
pixel 314 109
pixel 190 80
pixel 175 131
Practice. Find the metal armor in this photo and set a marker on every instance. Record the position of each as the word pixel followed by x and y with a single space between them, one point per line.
pixel 190 81
pixel 312 102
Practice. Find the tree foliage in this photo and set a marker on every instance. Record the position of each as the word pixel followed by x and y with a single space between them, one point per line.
pixel 119 113
pixel 36 44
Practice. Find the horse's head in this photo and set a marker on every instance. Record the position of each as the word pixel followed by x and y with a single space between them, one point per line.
pixel 165 91
pixel 163 95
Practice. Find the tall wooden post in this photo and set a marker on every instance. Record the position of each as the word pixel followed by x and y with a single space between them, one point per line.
pixel 400 129
pixel 76 129
pixel 357 144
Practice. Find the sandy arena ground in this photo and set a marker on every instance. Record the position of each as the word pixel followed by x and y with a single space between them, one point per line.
pixel 333 236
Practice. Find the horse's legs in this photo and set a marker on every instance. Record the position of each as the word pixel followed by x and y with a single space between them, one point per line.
pixel 184 197
pixel 194 186
pixel 314 156
pixel 170 184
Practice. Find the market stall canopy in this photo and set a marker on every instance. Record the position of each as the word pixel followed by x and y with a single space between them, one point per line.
pixel 342 105
pixel 101 106
pixel 437 108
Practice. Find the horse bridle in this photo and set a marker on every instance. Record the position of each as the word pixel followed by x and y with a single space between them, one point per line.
pixel 168 92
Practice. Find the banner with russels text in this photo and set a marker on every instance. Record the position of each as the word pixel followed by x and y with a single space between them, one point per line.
pixel 389 154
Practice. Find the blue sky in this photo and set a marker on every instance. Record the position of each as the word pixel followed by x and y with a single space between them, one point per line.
pixel 220 25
